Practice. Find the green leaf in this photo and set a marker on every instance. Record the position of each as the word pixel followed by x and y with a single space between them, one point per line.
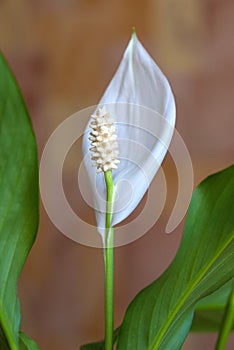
pixel 19 200
pixel 3 341
pixel 160 316
pixel 210 310
pixel 101 344
pixel 26 343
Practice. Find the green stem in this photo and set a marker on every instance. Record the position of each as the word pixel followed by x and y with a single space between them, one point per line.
pixel 109 264
pixel 227 323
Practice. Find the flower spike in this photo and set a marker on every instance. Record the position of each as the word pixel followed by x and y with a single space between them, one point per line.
pixel 104 150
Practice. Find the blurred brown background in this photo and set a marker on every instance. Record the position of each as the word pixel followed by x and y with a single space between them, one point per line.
pixel 64 53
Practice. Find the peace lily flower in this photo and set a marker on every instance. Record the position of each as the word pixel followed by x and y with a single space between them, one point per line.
pixel 129 133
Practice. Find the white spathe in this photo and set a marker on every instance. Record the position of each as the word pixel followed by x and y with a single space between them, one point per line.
pixel 141 102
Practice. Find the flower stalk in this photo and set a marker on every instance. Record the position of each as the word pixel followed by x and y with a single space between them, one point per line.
pixel 109 264
pixel 104 153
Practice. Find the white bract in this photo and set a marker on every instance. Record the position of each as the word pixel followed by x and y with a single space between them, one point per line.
pixel 139 108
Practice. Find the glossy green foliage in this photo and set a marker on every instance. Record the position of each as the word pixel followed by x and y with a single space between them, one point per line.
pixel 18 202
pixel 26 343
pixel 161 315
pixel 210 310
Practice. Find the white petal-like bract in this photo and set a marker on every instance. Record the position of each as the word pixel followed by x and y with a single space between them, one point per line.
pixel 140 101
